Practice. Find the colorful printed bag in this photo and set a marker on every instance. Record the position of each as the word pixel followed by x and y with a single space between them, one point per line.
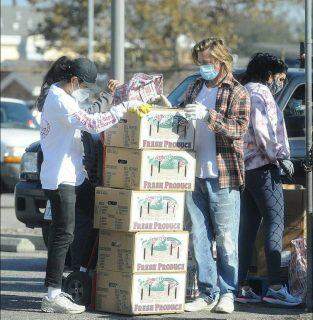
pixel 141 87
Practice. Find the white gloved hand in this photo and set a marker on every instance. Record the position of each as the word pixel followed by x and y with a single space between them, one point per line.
pixel 160 100
pixel 196 111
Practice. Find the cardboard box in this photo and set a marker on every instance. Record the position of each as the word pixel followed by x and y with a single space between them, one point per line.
pixel 295 226
pixel 128 293
pixel 143 251
pixel 159 129
pixel 128 210
pixel 149 169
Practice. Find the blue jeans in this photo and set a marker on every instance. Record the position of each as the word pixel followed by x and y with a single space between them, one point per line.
pixel 215 214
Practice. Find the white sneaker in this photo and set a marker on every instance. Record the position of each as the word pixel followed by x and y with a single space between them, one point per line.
pixel 62 303
pixel 226 303
pixel 201 303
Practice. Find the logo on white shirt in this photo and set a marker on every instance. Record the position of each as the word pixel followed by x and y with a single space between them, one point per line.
pixel 44 128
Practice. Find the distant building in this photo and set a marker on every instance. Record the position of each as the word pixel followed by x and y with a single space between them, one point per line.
pixel 22 67
pixel 22 78
pixel 17 39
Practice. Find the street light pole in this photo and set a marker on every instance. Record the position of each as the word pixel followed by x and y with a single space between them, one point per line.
pixel 308 103
pixel 90 28
pixel 117 39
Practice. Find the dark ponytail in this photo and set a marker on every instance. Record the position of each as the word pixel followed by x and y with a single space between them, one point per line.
pixel 60 70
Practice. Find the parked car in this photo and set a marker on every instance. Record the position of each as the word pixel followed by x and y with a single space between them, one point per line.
pixel 18 130
pixel 30 200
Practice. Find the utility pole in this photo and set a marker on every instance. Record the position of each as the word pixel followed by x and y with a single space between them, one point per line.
pixel 308 103
pixel 90 28
pixel 118 39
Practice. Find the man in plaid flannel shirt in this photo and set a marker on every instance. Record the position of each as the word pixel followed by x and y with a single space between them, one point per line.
pixel 221 108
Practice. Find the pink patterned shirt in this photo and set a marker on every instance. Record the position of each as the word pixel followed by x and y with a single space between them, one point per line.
pixel 266 139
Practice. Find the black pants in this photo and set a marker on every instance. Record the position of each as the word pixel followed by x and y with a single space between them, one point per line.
pixel 66 202
pixel 84 207
pixel 262 199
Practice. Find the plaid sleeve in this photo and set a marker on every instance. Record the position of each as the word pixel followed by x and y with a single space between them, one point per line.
pixel 233 127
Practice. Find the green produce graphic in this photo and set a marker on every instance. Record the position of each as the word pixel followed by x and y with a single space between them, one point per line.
pixel 161 243
pixel 158 203
pixel 167 162
pixel 167 121
pixel 158 284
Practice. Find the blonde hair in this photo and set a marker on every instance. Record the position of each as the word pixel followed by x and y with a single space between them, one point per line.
pixel 217 49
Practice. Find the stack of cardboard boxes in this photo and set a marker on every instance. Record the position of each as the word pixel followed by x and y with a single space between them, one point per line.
pixel 294 228
pixel 143 249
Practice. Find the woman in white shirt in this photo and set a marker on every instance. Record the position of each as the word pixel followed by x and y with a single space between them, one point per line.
pixel 67 83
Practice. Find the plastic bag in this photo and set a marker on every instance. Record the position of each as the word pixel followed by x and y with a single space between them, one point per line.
pixel 298 268
pixel 141 87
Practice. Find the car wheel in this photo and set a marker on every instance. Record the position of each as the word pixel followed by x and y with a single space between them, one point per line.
pixel 79 285
pixel 45 229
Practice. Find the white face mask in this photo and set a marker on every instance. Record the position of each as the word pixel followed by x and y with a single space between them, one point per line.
pixel 81 94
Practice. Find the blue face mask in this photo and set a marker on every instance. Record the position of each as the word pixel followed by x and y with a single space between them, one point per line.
pixel 208 72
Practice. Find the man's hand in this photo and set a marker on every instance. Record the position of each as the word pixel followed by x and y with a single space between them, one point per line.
pixel 160 100
pixel 196 111
pixel 113 84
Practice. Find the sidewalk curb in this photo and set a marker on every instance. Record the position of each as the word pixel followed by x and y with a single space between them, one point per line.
pixel 35 240
pixel 10 244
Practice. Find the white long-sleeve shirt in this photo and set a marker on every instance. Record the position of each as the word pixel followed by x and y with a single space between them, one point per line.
pixel 60 137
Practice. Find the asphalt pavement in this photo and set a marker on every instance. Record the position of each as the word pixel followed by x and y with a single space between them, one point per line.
pixel 22 276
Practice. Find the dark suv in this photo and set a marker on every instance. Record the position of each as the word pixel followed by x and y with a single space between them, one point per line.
pixel 30 201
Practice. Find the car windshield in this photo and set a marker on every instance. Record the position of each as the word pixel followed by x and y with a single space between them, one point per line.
pixel 16 115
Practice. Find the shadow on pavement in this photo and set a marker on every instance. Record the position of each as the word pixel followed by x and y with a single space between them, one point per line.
pixel 36 240
pixel 20 303
pixel 12 284
pixel 269 310
pixel 23 264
